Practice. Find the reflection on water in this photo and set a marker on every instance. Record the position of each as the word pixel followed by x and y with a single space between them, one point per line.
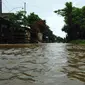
pixel 47 64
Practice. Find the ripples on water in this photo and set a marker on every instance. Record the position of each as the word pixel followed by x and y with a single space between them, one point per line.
pixel 76 63
pixel 47 64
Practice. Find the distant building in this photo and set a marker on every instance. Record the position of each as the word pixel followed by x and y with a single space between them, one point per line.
pixel 40 36
pixel 5 15
pixel 5 32
pixel 11 34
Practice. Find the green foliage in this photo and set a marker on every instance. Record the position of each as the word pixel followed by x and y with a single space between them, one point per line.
pixel 60 39
pixel 32 18
pixel 18 19
pixel 74 21
pixel 36 23
pixel 78 41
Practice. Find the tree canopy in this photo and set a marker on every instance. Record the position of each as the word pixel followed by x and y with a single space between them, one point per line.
pixel 34 22
pixel 74 19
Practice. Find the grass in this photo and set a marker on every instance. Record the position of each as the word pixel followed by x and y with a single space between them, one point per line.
pixel 82 42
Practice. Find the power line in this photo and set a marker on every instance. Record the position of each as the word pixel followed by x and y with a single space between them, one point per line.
pixel 5 6
pixel 15 8
pixel 6 1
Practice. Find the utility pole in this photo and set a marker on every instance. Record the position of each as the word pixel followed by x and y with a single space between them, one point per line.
pixel 25 6
pixel 0 6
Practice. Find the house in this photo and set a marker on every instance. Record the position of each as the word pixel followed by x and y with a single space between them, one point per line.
pixel 5 15
pixel 5 32
pixel 27 33
pixel 37 30
pixel 11 34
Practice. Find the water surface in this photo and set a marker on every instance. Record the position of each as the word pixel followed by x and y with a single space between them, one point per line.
pixel 47 64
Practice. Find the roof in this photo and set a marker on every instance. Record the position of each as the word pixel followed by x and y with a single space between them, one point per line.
pixel 5 15
pixel 4 21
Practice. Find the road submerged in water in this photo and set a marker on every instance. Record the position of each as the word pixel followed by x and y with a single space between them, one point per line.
pixel 46 64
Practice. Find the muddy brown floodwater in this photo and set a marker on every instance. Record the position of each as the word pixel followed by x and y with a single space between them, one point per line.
pixel 47 64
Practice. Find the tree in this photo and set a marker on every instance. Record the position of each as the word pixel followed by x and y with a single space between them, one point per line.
pixel 67 14
pixel 32 18
pixel 74 18
pixel 19 19
pixel 36 24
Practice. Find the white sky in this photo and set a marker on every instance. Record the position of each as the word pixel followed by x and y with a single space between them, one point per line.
pixel 44 8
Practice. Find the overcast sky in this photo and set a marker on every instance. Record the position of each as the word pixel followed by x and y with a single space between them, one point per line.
pixel 44 8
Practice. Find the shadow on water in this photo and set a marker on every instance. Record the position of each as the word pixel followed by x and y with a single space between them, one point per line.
pixel 75 68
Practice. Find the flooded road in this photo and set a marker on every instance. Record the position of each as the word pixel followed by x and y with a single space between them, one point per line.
pixel 47 64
